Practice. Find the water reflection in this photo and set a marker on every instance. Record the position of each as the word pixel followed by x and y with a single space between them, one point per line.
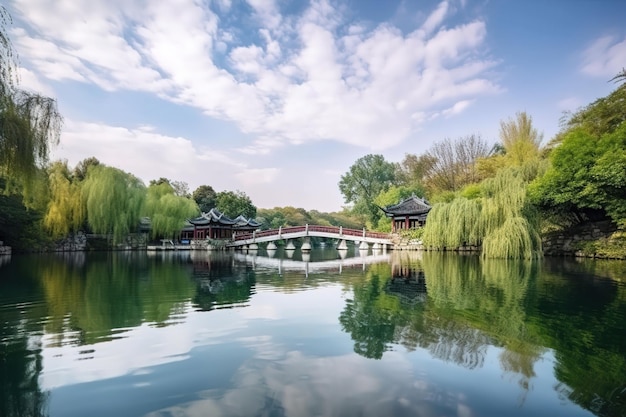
pixel 287 347
pixel 20 346
pixel 221 282
pixel 331 261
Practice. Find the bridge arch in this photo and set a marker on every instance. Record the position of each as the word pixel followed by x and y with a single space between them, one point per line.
pixel 294 232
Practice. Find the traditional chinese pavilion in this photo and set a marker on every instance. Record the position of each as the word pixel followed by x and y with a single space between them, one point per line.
pixel 216 225
pixel 408 214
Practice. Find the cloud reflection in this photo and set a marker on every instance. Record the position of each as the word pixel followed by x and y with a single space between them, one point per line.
pixel 276 381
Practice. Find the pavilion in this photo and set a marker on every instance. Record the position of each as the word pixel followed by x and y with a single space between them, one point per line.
pixel 408 214
pixel 216 225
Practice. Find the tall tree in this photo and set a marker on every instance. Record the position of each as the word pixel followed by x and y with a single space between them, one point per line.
pixel 113 200
pixel 366 178
pixel 166 210
pixel 66 210
pixel 29 122
pixel 235 203
pixel 521 140
pixel 206 197
pixel 80 170
pixel 180 188
pixel 454 163
pixel 413 169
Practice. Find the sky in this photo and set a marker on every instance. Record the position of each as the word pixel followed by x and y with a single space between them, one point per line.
pixel 278 98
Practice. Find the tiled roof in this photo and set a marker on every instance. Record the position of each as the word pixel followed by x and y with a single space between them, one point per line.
pixel 241 221
pixel 214 216
pixel 412 205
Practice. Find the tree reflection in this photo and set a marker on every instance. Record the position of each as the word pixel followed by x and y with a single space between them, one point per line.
pixel 20 346
pixel 515 305
pixel 587 332
pixel 468 307
pixel 221 283
pixel 371 316
pixel 112 291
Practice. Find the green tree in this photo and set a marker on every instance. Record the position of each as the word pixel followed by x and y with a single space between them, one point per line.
pixel 454 163
pixel 66 209
pixel 29 122
pixel 206 197
pixel 80 170
pixel 167 210
pixel 520 139
pixel 20 227
pixel 602 116
pixel 114 200
pixel 366 179
pixel 587 177
pixel 413 170
pixel 502 220
pixel 235 203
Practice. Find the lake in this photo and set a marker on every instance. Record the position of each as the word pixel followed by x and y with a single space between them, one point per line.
pixel 191 334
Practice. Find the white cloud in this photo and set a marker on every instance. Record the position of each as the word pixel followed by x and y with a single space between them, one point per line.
pixel 605 57
pixel 255 176
pixel 150 155
pixel 457 108
pixel 436 18
pixel 267 12
pixel 317 76
pixel 30 81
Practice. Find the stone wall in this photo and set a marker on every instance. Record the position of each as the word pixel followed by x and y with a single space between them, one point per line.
pixel 74 243
pixel 569 242
pixel 84 242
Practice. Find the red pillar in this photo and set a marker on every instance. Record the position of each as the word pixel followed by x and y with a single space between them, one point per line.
pixel 406 223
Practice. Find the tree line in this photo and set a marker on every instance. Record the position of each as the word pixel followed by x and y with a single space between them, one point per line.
pixel 505 196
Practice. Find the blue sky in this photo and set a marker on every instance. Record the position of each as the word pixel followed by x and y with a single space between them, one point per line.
pixel 278 98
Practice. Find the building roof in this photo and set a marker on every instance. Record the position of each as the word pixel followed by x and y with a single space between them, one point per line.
pixel 216 218
pixel 410 206
pixel 242 222
pixel 212 217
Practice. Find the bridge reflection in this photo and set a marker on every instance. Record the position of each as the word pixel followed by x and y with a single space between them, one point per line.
pixel 257 260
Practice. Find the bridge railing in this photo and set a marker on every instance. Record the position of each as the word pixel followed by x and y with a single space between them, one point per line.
pixel 338 230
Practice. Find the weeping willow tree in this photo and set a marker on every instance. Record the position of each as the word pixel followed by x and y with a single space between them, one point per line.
pixel 166 210
pixel 29 122
pixel 113 200
pixel 502 220
pixel 454 224
pixel 66 209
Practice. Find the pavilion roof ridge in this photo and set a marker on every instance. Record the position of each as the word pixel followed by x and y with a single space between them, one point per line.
pixel 410 205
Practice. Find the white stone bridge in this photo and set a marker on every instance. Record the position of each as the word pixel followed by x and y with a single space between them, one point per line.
pixel 251 240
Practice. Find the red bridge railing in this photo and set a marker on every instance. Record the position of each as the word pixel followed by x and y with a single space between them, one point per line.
pixel 341 231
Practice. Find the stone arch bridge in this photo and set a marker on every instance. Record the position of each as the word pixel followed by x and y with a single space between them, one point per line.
pixel 378 240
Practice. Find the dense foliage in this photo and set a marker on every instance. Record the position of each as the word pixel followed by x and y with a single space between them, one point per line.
pixel 235 203
pixel 167 210
pixel 366 178
pixel 587 176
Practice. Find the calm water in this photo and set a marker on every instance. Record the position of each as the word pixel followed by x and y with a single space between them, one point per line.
pixel 219 334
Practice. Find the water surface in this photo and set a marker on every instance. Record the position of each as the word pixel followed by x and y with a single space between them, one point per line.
pixel 320 334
